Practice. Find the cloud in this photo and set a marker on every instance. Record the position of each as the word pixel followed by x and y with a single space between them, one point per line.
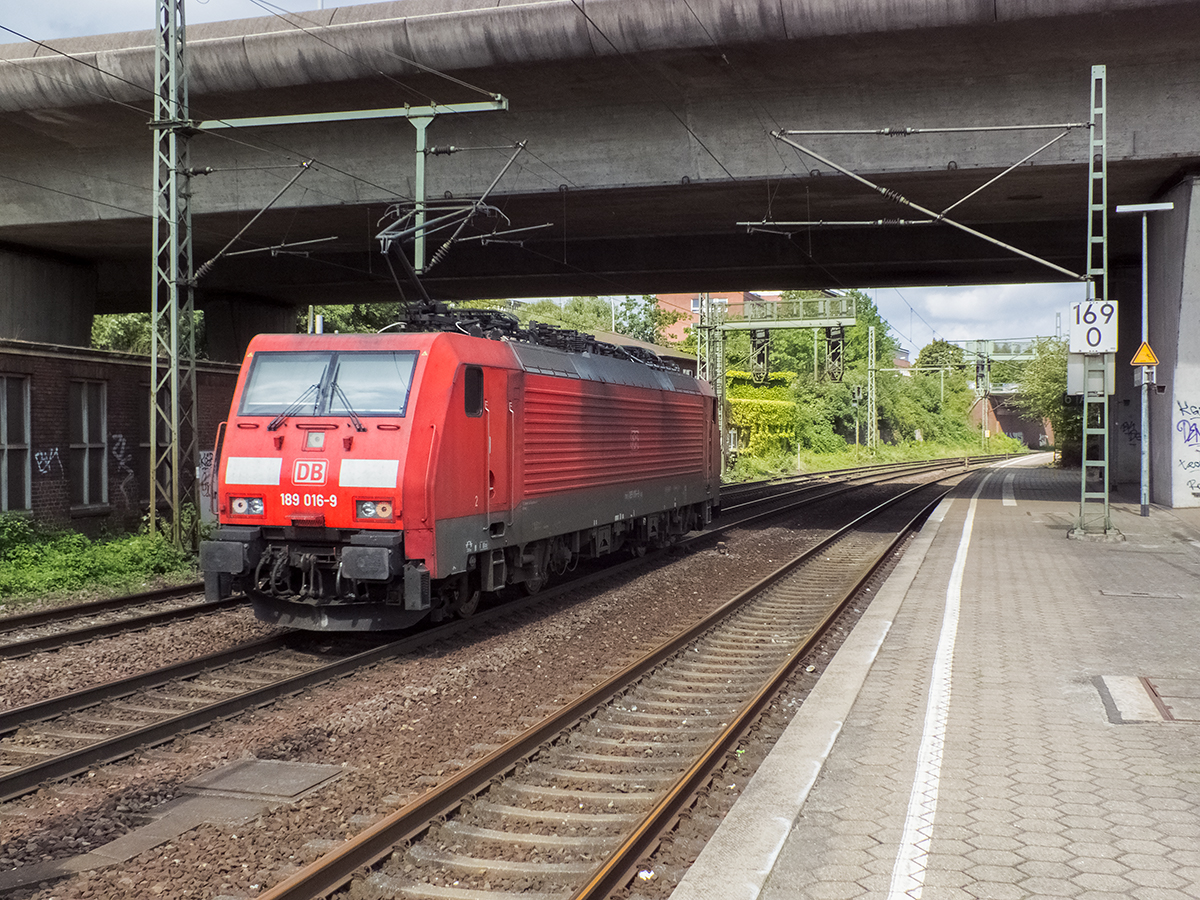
pixel 919 315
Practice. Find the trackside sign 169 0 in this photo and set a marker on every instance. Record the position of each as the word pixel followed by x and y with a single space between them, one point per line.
pixel 1093 327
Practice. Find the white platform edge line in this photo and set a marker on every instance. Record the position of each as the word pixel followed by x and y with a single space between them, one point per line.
pixel 908 871
pixel 1009 496
pixel 737 861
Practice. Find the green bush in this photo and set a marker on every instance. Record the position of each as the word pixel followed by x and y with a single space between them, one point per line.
pixel 751 468
pixel 35 563
pixel 15 531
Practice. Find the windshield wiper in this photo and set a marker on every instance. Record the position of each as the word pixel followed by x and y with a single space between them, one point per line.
pixel 293 408
pixel 358 425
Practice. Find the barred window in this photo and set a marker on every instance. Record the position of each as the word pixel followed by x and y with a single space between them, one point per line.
pixel 14 443
pixel 89 448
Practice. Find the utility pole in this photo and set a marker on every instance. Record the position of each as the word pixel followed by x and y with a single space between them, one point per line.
pixel 710 364
pixel 1098 360
pixel 872 409
pixel 1145 357
pixel 173 413
pixel 856 401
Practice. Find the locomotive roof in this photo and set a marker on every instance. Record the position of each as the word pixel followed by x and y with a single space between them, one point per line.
pixel 591 367
pixel 528 357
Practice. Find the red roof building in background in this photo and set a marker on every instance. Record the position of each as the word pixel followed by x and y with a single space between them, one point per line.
pixel 689 306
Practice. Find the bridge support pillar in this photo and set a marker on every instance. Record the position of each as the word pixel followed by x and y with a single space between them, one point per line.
pixel 1174 291
pixel 1125 406
pixel 230 321
pixel 45 298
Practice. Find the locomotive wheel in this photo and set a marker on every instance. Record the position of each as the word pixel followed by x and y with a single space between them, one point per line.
pixel 468 607
pixel 637 550
pixel 533 585
pixel 453 597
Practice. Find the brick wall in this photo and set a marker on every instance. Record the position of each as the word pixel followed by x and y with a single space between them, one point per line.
pixel 51 369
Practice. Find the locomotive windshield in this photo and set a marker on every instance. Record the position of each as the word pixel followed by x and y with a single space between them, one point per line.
pixel 325 383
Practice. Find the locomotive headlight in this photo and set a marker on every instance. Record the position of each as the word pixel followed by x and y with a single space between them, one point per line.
pixel 246 506
pixel 373 509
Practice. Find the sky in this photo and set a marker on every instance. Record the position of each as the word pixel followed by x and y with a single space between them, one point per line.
pixel 917 315
pixel 74 18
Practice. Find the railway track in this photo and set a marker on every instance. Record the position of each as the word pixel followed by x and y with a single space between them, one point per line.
pixel 61 626
pixel 73 744
pixel 568 808
pixel 59 737
pixel 734 496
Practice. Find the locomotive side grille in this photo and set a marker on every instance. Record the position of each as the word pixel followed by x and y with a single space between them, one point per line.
pixel 600 435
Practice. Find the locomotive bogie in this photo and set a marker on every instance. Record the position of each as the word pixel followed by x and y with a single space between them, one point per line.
pixel 366 482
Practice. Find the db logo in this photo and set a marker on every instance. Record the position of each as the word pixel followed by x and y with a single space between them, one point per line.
pixel 309 471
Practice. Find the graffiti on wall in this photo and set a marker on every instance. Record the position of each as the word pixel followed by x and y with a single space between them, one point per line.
pixel 46 460
pixel 124 460
pixel 206 473
pixel 1187 426
pixel 1132 432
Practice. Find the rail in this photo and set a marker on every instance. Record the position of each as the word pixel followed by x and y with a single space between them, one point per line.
pixel 378 841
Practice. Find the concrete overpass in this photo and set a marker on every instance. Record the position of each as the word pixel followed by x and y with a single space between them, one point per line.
pixel 648 134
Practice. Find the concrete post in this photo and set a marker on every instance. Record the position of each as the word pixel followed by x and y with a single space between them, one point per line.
pixel 1175 327
pixel 46 299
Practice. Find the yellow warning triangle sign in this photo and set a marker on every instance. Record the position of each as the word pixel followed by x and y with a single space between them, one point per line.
pixel 1144 357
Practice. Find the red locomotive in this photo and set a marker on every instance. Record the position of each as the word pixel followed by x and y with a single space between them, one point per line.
pixel 368 481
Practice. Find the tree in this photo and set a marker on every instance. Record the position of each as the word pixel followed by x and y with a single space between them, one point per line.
pixel 130 333
pixel 1043 385
pixel 586 314
pixel 942 353
pixel 352 318
pixel 642 318
pixel 123 332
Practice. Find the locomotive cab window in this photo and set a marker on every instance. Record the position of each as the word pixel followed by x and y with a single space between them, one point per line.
pixel 324 383
pixel 473 391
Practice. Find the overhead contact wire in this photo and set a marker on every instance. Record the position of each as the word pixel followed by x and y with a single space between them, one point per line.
pixel 624 57
pixel 288 152
pixel 272 9
pixel 311 32
pixel 753 103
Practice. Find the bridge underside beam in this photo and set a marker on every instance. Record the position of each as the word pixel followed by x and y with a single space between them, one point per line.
pixel 817 258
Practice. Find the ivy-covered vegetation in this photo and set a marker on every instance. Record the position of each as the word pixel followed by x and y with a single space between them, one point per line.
pixel 40 563
pixel 764 415
pixel 921 414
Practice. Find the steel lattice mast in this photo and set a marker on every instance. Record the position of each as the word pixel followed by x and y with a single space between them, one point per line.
pixel 173 416
pixel 1094 512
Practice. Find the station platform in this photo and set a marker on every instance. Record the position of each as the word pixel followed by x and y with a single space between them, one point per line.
pixel 1016 715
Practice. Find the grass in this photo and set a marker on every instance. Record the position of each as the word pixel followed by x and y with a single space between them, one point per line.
pixel 37 565
pixel 749 468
